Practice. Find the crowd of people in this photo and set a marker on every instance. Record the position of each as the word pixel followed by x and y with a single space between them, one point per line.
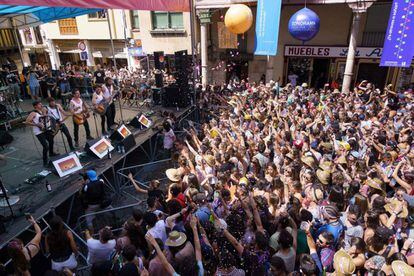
pixel 278 181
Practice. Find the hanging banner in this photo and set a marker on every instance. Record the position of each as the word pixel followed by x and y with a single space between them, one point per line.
pixel 399 39
pixel 267 27
pixel 148 5
pixel 227 40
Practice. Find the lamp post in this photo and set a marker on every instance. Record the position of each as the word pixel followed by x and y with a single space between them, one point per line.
pixel 358 9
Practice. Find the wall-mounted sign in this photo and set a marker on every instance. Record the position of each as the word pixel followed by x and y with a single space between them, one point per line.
pixel 304 24
pixel 331 52
pixel 136 52
pixel 227 40
pixel 81 46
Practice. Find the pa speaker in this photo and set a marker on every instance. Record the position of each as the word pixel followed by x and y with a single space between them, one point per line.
pixel 159 81
pixel 159 60
pixel 128 143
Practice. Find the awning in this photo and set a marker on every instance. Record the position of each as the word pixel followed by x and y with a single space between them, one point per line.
pixel 23 16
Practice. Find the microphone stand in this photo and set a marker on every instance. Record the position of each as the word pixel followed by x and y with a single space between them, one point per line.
pixel 96 125
pixel 6 197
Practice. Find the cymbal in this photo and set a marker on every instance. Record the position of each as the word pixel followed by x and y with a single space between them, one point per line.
pixel 12 200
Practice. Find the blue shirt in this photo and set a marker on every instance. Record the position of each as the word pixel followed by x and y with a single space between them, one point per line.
pixel 336 228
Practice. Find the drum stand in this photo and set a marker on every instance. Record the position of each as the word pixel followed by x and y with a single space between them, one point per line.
pixel 63 140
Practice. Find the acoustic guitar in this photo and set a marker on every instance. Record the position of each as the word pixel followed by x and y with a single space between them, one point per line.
pixel 103 105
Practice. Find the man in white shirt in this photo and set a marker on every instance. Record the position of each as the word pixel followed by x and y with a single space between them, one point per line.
pixel 102 249
pixel 155 227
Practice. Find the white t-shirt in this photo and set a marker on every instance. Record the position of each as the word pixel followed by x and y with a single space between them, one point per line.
pixel 98 251
pixel 169 138
pixel 158 231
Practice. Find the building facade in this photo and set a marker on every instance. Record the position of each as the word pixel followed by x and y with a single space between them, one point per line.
pixel 319 61
pixel 135 34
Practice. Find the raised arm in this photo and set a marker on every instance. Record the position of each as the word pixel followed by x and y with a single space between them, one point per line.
pixel 160 254
pixel 137 188
pixel 197 246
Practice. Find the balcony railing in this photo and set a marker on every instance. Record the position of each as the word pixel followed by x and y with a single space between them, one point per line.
pixel 373 39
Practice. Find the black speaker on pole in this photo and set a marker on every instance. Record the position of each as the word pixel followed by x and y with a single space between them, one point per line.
pixel 159 80
pixel 159 60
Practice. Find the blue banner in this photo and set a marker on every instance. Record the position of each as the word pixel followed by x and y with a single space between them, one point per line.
pixel 267 27
pixel 399 39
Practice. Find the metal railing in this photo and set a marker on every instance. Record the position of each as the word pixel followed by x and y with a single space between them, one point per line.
pixel 373 39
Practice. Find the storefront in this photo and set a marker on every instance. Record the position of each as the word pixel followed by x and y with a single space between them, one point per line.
pixel 318 65
pixel 101 51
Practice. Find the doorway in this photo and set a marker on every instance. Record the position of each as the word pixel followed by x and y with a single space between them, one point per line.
pixel 373 73
pixel 239 70
pixel 320 72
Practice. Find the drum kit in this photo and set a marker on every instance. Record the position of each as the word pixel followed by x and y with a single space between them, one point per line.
pixel 9 105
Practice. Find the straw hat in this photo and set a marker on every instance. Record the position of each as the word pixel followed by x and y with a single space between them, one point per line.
pixel 309 161
pixel 214 133
pixel 244 181
pixel 402 269
pixel 390 207
pixel 327 146
pixel 323 176
pixel 375 183
pixel 247 117
pixel 345 145
pixel 211 161
pixel 173 175
pixel 290 156
pixel 341 160
pixel 343 263
pixel 175 239
pixel 326 166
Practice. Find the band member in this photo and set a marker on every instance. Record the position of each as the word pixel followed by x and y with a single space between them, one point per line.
pixel 100 106
pixel 128 92
pixel 36 120
pixel 108 92
pixel 56 111
pixel 80 113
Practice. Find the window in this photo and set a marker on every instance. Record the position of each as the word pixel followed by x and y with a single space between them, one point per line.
pixel 134 20
pixel 167 20
pixel 68 26
pixel 97 15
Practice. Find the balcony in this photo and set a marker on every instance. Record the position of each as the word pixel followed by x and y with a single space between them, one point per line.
pixel 373 39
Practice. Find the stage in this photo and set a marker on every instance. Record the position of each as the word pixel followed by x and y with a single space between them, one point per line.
pixel 24 162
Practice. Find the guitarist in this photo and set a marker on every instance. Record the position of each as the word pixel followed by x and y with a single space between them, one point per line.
pixel 99 103
pixel 45 137
pixel 78 107
pixel 109 91
pixel 56 111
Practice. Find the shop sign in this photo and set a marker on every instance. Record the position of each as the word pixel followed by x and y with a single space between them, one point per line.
pixel 227 40
pixel 331 52
pixel 136 52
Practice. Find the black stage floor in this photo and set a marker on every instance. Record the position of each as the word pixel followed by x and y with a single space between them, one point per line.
pixel 24 161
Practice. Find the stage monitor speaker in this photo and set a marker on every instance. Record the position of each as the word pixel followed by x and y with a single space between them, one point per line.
pixel 116 136
pixel 159 60
pixel 135 123
pixel 128 143
pixel 89 144
pixel 170 97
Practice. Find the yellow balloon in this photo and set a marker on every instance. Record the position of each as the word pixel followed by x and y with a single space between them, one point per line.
pixel 238 18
